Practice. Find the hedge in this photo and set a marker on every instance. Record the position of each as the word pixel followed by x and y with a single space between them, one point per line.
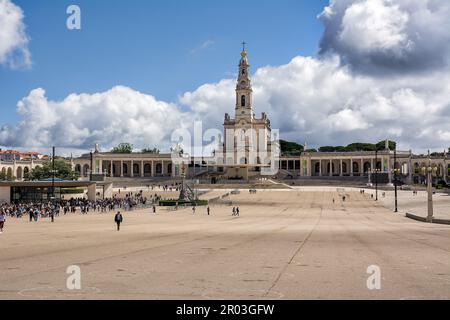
pixel 173 203
pixel 72 191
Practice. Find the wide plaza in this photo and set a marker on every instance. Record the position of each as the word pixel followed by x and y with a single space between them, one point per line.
pixel 292 244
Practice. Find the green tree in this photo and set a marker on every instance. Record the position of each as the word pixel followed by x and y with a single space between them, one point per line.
pixel 63 171
pixel 290 148
pixel 151 151
pixel 123 148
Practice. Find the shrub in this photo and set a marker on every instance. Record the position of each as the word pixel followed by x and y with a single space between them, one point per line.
pixel 173 203
pixel 72 191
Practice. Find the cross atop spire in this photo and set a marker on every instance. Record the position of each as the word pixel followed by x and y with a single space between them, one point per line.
pixel 243 45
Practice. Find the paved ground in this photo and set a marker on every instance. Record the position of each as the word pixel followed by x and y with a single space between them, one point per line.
pixel 417 204
pixel 287 244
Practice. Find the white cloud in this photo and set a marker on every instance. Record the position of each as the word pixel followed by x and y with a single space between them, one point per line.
pixel 203 46
pixel 13 38
pixel 393 35
pixel 324 103
pixel 81 120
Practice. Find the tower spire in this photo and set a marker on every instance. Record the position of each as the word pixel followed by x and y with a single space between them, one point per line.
pixel 244 90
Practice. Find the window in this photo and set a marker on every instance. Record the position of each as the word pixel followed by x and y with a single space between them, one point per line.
pixel 244 72
pixel 243 101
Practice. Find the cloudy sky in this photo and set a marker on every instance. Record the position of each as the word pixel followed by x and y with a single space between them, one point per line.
pixel 326 72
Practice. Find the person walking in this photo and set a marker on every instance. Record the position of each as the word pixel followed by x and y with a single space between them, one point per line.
pixel 208 210
pixel 234 211
pixel 52 215
pixel 154 209
pixel 193 210
pixel 118 219
pixel 2 221
pixel 237 211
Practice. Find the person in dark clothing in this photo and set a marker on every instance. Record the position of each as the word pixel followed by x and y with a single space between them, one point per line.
pixel 118 219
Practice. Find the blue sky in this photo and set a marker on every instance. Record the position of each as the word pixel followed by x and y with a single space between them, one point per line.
pixel 163 48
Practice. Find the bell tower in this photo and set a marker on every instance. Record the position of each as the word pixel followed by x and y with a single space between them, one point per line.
pixel 244 99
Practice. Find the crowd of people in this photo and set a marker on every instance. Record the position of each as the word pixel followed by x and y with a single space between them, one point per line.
pixel 37 210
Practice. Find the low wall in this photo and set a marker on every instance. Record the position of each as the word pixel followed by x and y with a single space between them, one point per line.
pixel 423 219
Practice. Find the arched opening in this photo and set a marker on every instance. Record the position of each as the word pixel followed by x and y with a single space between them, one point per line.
pixel 416 168
pixel 147 170
pixel 136 169
pixel 355 167
pixel 158 168
pixel 19 173
pixel 317 168
pixel 367 167
pixel 243 101
pixel 86 170
pixel 169 169
pixel 344 167
pixel 125 169
pixel 9 174
pixel 26 172
pixel 379 165
pixel 78 169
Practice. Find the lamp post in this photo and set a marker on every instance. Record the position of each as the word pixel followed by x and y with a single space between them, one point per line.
pixel 92 165
pixel 428 170
pixel 53 174
pixel 376 174
pixel 395 180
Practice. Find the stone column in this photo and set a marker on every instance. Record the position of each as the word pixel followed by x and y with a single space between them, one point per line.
pixel 162 168
pixel 389 170
pixel 132 169
pixel 341 171
pixel 351 167
pixel 410 169
pixel 112 167
pixel 121 168
pixel 142 169
pixel 331 168
pixel 153 168
pixel 361 168
pixel 320 168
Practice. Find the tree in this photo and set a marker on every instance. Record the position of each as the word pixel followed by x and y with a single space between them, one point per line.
pixel 63 171
pixel 150 151
pixel 123 148
pixel 7 176
pixel 290 148
pixel 357 147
